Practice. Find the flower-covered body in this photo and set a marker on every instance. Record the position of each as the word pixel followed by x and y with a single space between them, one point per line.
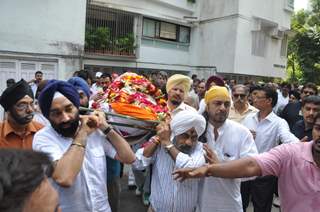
pixel 134 95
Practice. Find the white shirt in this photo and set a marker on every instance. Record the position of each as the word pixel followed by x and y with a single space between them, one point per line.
pixel 182 107
pixel 281 103
pixel 95 89
pixel 234 142
pixel 269 131
pixel 202 106
pixel 34 88
pixel 167 194
pixel 89 191
pixel 38 117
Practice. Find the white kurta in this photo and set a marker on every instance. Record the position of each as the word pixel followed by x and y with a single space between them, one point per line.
pixel 89 191
pixel 234 142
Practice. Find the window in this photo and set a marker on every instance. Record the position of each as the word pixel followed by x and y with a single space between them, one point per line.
pixel 284 46
pixel 290 4
pixel 259 40
pixel 110 31
pixel 166 31
pixel 184 34
pixel 149 28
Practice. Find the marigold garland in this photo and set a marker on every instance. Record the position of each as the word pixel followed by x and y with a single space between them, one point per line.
pixel 134 95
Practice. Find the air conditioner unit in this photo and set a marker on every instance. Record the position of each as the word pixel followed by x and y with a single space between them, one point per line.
pixel 277 34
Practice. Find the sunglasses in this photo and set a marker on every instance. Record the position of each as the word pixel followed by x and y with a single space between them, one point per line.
pixel 242 96
pixel 308 92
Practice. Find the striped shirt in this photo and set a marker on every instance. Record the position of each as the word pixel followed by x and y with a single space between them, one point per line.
pixel 167 194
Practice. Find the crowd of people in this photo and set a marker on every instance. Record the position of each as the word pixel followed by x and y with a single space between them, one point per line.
pixel 221 146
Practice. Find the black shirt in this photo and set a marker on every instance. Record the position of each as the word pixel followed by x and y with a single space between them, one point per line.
pixel 299 131
pixel 291 113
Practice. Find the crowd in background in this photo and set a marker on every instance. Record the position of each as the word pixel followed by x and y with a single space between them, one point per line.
pixel 231 121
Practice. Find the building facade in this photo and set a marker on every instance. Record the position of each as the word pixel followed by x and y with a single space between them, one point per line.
pixel 239 39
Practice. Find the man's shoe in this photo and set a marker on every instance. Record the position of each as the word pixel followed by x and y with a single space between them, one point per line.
pixel 145 198
pixel 138 191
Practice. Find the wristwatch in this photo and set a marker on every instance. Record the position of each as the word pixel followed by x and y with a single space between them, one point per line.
pixel 168 147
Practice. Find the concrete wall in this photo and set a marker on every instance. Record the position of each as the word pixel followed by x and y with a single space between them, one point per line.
pixel 170 10
pixel 216 45
pixel 224 37
pixel 44 27
pixel 156 53
pixel 248 64
pixel 272 10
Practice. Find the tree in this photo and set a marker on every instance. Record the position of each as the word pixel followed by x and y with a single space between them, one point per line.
pixel 304 46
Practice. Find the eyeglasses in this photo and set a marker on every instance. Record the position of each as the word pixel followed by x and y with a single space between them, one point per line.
pixel 260 97
pixel 242 96
pixel 24 106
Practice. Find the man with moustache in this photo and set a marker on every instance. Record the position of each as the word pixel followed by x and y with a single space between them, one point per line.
pixel 176 147
pixel 78 146
pixel 18 130
pixel 177 87
pixel 240 106
pixel 113 166
pixel 310 107
pixel 292 111
pixel 230 141
pixel 297 166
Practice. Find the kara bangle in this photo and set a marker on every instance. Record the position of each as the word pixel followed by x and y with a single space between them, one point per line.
pixel 107 130
pixel 78 144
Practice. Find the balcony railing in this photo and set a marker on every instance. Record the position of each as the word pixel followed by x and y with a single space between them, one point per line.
pixel 109 32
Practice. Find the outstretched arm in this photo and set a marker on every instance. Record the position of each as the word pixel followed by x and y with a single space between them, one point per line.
pixel 246 167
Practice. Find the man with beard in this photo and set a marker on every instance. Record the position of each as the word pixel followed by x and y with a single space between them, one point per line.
pixel 297 165
pixel 240 107
pixel 78 146
pixel 177 87
pixel 230 141
pixel 310 108
pixel 113 166
pixel 176 147
pixel 211 81
pixel 18 129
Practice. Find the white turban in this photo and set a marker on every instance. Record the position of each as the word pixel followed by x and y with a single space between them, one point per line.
pixel 185 120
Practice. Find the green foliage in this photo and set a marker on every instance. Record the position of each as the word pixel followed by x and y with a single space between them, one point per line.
pixel 191 1
pixel 304 46
pixel 125 43
pixel 100 39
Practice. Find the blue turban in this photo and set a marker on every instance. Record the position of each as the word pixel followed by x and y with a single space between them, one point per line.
pixel 80 84
pixel 65 88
